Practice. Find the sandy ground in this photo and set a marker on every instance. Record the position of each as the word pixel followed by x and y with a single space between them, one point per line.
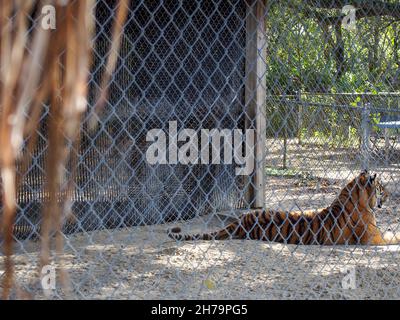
pixel 143 263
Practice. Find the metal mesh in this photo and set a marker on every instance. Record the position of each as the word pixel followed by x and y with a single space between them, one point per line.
pixel 323 99
pixel 194 76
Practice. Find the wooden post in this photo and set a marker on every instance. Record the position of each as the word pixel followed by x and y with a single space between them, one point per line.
pixel 255 95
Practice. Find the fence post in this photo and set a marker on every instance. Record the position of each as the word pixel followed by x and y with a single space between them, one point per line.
pixel 387 145
pixel 285 135
pixel 299 116
pixel 255 95
pixel 365 127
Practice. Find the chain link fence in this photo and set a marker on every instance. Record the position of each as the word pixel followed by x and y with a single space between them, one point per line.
pixel 318 85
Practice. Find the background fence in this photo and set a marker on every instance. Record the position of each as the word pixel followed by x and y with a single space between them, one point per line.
pixel 365 122
pixel 323 99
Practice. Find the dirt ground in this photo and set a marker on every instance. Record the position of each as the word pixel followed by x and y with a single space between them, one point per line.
pixel 143 263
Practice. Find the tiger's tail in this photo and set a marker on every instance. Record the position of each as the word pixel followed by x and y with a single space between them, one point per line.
pixel 228 232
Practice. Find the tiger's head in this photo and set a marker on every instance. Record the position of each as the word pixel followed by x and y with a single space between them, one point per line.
pixel 371 191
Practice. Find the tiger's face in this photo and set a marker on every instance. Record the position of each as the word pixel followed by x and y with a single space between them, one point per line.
pixel 381 194
pixel 375 191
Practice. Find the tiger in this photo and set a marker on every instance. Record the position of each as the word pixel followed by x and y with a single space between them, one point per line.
pixel 349 220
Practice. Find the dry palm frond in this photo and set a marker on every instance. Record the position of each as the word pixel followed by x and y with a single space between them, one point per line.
pixel 121 16
pixel 33 73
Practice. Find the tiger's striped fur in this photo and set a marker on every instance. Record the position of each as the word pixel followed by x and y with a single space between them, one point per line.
pixel 348 220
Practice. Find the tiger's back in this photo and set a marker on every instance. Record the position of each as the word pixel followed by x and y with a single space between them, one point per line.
pixel 275 226
pixel 348 220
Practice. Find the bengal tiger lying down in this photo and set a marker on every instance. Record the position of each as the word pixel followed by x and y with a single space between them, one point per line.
pixel 350 219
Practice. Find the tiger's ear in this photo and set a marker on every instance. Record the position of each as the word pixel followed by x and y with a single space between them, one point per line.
pixel 372 178
pixel 362 178
pixel 363 175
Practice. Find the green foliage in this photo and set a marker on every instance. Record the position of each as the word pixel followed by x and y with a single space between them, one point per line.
pixel 303 55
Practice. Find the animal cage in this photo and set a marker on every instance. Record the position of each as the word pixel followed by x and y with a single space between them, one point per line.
pixel 306 86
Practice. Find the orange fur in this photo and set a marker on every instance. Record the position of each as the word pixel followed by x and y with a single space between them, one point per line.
pixel 349 219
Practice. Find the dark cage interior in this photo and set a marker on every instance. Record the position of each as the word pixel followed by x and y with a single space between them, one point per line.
pixel 179 61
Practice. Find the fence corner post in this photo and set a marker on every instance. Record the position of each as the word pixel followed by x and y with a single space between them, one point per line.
pixel 255 96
